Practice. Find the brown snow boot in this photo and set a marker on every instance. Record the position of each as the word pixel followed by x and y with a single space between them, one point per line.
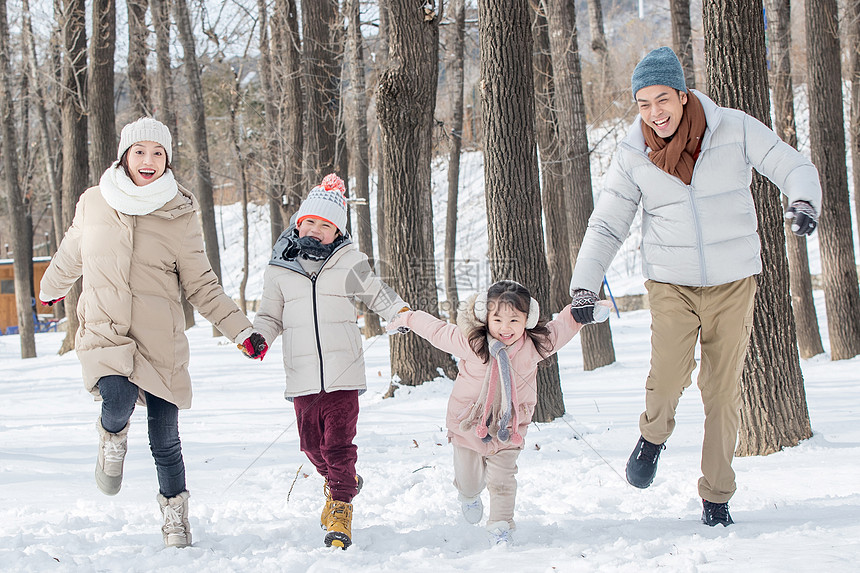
pixel 339 525
pixel 326 512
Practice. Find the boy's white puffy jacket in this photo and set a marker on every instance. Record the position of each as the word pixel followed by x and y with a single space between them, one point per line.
pixel 322 344
pixel 702 234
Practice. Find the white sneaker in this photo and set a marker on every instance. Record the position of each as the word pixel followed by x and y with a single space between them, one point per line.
pixel 472 508
pixel 500 533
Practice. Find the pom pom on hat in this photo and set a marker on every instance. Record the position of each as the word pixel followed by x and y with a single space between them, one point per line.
pixel 326 201
pixel 660 67
pixel 145 129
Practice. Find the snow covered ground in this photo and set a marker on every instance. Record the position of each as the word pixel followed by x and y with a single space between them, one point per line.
pixel 255 498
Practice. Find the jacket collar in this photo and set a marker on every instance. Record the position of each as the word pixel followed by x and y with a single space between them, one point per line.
pixel 713 115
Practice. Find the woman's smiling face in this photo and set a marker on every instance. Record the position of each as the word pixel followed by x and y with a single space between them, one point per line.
pixel 147 161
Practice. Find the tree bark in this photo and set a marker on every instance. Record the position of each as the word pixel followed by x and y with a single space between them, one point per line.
pixel 102 121
pixel 137 54
pixel 458 50
pixel 382 63
pixel 682 39
pixel 552 192
pixel 166 108
pixel 75 176
pixel 802 303
pixel 16 202
pixel 405 103
pixel 511 183
pixel 827 141
pixel 356 113
pixel 600 48
pixel 774 413
pixel 597 348
pixel 853 19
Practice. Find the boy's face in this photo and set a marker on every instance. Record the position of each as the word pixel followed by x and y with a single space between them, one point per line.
pixel 661 108
pixel 318 229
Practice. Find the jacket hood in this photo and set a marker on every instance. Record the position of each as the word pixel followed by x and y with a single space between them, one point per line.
pixel 466 319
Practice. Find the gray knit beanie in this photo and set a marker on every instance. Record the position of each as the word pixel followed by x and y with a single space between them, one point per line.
pixel 145 129
pixel 660 67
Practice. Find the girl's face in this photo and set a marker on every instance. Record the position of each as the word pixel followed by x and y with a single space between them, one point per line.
pixel 147 161
pixel 318 229
pixel 505 322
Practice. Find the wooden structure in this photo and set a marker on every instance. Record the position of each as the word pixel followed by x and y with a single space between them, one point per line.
pixel 8 312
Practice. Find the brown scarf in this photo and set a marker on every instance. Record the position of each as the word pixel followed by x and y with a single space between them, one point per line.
pixel 677 156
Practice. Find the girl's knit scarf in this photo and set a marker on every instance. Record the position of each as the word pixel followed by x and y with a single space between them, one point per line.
pixel 496 411
pixel 677 156
pixel 307 247
pixel 120 192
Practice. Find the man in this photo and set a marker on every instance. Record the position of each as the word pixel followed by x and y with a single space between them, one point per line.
pixel 688 163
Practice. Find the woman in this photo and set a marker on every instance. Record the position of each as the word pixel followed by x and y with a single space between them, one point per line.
pixel 137 242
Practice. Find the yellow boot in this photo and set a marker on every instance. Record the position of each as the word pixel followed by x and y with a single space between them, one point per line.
pixel 339 525
pixel 327 507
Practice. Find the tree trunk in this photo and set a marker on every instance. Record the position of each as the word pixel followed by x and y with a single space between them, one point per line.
pixel 203 178
pixel 75 174
pixel 774 413
pixel 552 192
pixel 165 110
pixel 288 65
pixel 17 204
pixel 406 100
pixel 273 158
pixel 458 50
pixel 236 97
pixel 600 48
pixel 511 183
pixel 356 113
pixel 382 63
pixel 321 32
pixel 853 19
pixel 137 54
pixel 102 121
pixel 802 303
pixel 682 39
pixel 827 141
pixel 597 349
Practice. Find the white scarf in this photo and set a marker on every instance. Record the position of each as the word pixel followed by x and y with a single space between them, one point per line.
pixel 121 193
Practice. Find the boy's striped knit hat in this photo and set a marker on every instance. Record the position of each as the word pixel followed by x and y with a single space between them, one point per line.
pixel 326 201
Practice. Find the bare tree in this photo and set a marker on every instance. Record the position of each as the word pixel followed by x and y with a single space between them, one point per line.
pixel 406 100
pixel 682 38
pixel 511 183
pixel 235 138
pixel 102 118
pixel 17 204
pixel 456 134
pixel 802 303
pixel 75 176
pixel 165 110
pixel 827 141
pixel 597 349
pixel 382 63
pixel 137 53
pixel 356 114
pixel 600 47
pixel 774 413
pixel 552 192
pixel 853 20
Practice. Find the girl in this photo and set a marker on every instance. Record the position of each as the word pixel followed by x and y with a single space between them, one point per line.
pixel 499 340
pixel 309 290
pixel 136 240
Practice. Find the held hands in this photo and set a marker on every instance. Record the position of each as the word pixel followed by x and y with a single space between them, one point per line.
pixel 51 302
pixel 587 308
pixel 805 219
pixel 254 346
pixel 398 323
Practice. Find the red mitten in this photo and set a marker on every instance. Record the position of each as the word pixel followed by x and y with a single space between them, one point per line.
pixel 254 346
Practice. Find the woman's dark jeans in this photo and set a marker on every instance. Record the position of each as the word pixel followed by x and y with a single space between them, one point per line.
pixel 119 397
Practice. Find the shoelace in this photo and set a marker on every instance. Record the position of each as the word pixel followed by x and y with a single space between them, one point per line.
pixel 500 537
pixel 473 505
pixel 718 511
pixel 173 521
pixel 649 451
pixel 114 452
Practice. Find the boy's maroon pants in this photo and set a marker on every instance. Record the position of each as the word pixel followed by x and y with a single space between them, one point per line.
pixel 327 424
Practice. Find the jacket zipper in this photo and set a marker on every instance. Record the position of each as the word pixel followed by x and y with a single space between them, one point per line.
pixel 317 330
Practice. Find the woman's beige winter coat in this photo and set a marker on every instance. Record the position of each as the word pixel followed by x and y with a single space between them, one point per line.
pixel 322 344
pixel 130 311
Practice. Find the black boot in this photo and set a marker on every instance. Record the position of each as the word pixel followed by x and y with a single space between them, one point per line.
pixel 714 513
pixel 642 465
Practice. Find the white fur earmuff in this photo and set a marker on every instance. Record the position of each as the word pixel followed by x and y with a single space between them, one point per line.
pixel 481 310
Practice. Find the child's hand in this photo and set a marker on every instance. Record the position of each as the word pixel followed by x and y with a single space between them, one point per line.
pixel 398 323
pixel 254 346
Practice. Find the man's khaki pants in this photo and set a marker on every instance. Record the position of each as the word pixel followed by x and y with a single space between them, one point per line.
pixel 498 472
pixel 721 317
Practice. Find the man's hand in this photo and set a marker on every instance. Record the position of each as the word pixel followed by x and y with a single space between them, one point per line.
pixel 805 219
pixel 582 306
pixel 254 346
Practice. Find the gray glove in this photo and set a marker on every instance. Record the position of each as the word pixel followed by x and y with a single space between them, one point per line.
pixel 805 219
pixel 582 306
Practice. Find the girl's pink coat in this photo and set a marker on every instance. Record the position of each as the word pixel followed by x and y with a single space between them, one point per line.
pixel 524 363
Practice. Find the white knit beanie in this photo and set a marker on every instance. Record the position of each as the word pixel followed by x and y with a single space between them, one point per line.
pixel 145 129
pixel 326 201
